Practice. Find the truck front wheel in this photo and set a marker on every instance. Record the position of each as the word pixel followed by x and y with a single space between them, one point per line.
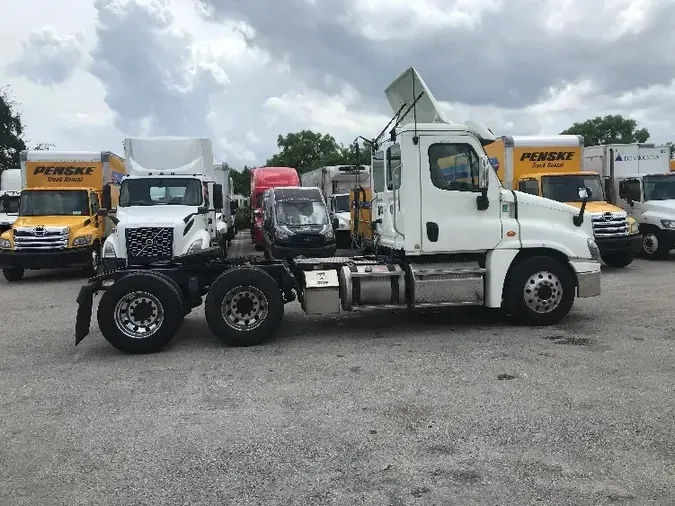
pixel 244 307
pixel 618 259
pixel 540 291
pixel 140 313
pixel 654 245
pixel 13 274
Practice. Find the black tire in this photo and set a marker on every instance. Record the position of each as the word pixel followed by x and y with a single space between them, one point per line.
pixel 654 245
pixel 94 266
pixel 156 292
pixel 185 303
pixel 541 271
pixel 256 291
pixel 13 274
pixel 618 259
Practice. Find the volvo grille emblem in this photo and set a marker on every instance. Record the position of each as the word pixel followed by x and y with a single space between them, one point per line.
pixel 607 216
pixel 149 242
pixel 40 231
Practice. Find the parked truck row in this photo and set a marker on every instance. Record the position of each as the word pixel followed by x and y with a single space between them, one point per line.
pixel 445 231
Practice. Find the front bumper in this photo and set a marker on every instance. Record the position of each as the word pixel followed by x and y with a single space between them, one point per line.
pixel 588 273
pixel 46 259
pixel 289 252
pixel 630 243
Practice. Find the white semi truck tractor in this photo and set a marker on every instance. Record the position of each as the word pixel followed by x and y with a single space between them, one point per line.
pixel 448 234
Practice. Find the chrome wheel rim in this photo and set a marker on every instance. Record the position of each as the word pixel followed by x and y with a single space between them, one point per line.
pixel 244 308
pixel 650 243
pixel 139 315
pixel 543 292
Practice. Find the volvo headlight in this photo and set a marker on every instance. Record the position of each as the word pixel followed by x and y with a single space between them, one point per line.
pixel 668 224
pixel 83 240
pixel 197 245
pixel 593 249
pixel 5 244
pixel 109 251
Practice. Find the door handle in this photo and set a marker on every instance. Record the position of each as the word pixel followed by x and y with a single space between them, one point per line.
pixel 432 231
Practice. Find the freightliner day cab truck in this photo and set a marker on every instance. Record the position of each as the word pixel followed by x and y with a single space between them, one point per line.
pixel 336 182
pixel 443 241
pixel 58 225
pixel 10 192
pixel 262 179
pixel 552 167
pixel 225 222
pixel 639 180
pixel 166 204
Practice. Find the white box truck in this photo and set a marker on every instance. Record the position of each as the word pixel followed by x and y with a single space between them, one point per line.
pixel 167 204
pixel 336 181
pixel 10 192
pixel 638 179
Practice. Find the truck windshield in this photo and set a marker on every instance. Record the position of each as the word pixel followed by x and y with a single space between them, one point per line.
pixel 302 212
pixel 341 203
pixel 659 187
pixel 154 191
pixel 54 203
pixel 565 188
pixel 9 204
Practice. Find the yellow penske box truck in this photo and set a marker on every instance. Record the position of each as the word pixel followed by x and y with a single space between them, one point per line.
pixel 58 225
pixel 552 167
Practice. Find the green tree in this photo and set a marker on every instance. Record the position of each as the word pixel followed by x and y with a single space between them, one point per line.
pixel 611 129
pixel 307 150
pixel 11 131
pixel 241 179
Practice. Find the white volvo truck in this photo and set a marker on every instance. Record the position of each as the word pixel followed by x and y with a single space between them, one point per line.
pixel 167 202
pixel 448 234
pixel 639 180
pixel 10 193
pixel 336 181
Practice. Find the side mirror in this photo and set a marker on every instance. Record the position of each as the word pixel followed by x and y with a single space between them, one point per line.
pixel 217 196
pixel 335 223
pixel 5 203
pixel 585 193
pixel 106 197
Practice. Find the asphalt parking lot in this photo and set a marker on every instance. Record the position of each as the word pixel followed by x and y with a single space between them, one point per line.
pixel 407 408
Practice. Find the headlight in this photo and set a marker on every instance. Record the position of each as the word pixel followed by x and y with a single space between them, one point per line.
pixel 328 232
pixel 82 240
pixel 593 249
pixel 109 251
pixel 633 227
pixel 5 244
pixel 282 234
pixel 197 245
pixel 668 224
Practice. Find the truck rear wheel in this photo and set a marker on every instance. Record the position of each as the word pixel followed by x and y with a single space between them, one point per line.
pixel 140 313
pixel 540 291
pixel 13 274
pixel 618 259
pixel 244 307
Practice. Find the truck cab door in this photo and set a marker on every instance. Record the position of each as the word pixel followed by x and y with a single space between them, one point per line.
pixel 450 219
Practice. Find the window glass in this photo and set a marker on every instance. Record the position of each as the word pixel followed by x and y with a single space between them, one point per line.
pixel 656 187
pixel 393 161
pixel 378 171
pixel 454 167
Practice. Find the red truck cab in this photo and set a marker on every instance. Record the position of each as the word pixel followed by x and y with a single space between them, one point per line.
pixel 264 178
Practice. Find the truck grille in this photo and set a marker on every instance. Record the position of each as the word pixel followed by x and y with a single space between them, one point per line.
pixel 40 238
pixel 307 240
pixel 151 243
pixel 610 225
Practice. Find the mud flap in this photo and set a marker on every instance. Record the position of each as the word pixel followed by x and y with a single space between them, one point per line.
pixel 85 301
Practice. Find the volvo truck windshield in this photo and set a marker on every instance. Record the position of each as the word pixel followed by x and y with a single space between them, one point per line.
pixel 54 203
pixel 161 191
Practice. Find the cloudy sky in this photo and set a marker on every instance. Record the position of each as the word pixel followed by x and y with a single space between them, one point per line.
pixel 89 72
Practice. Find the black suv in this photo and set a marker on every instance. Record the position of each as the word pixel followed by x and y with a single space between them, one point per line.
pixel 296 222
